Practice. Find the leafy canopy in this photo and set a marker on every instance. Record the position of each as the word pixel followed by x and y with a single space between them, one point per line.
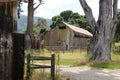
pixel 72 18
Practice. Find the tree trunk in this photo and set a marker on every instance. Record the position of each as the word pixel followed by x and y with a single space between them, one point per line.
pixel 101 46
pixel 30 17
pixel 103 29
pixel 29 32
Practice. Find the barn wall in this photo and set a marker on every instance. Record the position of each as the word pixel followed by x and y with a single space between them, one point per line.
pixel 59 37
pixel 47 38
pixel 80 43
pixel 8 16
pixel 54 37
pixel 7 25
pixel 64 38
pixel 63 33
pixel 70 37
pixel 15 16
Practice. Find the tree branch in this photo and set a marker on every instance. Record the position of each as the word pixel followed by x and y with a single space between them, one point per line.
pixel 38 6
pixel 35 3
pixel 88 14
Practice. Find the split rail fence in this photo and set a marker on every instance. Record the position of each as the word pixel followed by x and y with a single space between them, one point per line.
pixel 34 66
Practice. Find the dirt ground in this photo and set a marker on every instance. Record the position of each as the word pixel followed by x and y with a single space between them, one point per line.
pixel 86 73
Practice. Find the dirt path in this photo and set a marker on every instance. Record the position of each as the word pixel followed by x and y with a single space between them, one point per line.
pixel 86 73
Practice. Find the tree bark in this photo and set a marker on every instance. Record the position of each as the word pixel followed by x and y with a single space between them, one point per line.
pixel 29 30
pixel 29 33
pixel 30 17
pixel 103 29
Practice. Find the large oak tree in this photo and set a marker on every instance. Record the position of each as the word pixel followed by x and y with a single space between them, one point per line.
pixel 103 29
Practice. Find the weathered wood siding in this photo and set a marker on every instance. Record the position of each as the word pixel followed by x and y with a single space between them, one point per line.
pixel 8 0
pixel 46 37
pixel 8 16
pixel 59 37
pixel 65 38
pixel 8 24
pixel 54 37
pixel 80 43
pixel 6 53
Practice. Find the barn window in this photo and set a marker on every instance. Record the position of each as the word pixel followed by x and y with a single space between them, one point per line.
pixel 80 36
pixel 62 27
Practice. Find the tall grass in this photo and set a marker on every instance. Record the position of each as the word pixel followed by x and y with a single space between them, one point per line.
pixel 69 58
pixel 75 58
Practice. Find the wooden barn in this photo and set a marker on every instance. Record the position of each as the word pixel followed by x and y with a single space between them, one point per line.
pixel 68 36
pixel 11 47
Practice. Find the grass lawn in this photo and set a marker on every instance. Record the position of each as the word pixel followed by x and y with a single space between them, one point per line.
pixel 66 58
pixel 78 58
pixel 108 65
pixel 114 64
pixel 72 59
pixel 75 58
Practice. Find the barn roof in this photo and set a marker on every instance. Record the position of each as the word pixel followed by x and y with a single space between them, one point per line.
pixel 7 0
pixel 79 30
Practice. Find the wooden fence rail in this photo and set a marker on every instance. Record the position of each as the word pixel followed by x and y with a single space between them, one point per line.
pixel 34 66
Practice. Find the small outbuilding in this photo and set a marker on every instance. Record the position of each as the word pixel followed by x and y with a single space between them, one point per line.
pixel 68 36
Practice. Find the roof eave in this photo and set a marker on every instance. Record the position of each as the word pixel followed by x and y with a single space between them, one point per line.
pixel 2 1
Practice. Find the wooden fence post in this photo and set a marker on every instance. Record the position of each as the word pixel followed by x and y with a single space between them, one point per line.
pixel 28 68
pixel 53 66
pixel 33 66
pixel 18 56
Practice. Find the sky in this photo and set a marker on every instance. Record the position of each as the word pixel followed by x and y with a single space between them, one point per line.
pixel 52 8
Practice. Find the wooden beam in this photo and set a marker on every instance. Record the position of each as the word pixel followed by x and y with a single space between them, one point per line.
pixel 7 0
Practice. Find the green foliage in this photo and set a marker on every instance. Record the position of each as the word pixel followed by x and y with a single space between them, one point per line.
pixel 71 18
pixel 44 29
pixel 41 22
pixel 35 31
pixel 56 20
pixel 41 25
pixel 66 15
pixel 24 30
pixel 109 65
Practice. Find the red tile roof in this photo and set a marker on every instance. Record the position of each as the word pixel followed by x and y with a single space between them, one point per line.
pixel 79 30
